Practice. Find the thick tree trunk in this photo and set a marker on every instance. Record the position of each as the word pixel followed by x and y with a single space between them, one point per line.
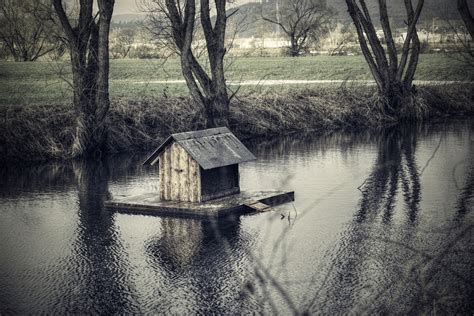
pixel 393 78
pixel 89 51
pixel 90 136
pixel 395 96
pixel 294 51
pixel 217 111
pixel 217 107
pixel 209 91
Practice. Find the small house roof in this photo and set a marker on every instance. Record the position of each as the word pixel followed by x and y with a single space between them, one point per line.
pixel 211 148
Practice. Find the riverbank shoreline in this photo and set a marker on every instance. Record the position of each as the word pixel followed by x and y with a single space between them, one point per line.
pixel 41 133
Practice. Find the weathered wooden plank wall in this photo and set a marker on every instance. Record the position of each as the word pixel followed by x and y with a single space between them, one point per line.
pixel 175 172
pixel 179 175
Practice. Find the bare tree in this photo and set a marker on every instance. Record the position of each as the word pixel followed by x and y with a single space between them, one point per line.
pixel 121 43
pixel 23 31
pixel 302 21
pixel 340 38
pixel 462 51
pixel 88 43
pixel 174 22
pixel 466 16
pixel 394 77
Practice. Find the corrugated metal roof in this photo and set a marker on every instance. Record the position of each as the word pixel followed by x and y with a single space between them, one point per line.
pixel 211 148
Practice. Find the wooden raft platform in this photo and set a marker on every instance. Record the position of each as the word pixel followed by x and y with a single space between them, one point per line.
pixel 240 203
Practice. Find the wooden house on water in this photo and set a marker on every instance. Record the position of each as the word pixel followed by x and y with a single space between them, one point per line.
pixel 199 178
pixel 199 166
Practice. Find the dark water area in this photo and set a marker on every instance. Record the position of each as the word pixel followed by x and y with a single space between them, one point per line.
pixel 382 223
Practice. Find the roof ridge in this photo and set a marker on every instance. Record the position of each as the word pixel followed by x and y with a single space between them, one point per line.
pixel 200 133
pixel 202 146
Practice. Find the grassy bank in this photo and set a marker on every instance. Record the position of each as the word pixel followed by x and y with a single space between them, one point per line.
pixel 40 83
pixel 139 124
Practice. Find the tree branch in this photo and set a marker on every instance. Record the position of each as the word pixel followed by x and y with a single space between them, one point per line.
pixel 58 6
pixel 411 30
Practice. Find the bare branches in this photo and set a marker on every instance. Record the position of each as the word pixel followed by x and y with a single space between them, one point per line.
pixel 394 79
pixel 24 29
pixel 301 21
pixel 354 12
pixel 392 52
pixel 58 6
pixel 121 42
pixel 412 35
pixel 174 23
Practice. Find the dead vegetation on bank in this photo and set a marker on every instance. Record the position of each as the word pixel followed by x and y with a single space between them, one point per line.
pixel 35 133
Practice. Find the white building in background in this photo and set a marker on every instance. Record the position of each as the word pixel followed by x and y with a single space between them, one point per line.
pixel 258 42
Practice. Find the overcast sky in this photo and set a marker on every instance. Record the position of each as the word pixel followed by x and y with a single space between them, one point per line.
pixel 125 6
pixel 130 6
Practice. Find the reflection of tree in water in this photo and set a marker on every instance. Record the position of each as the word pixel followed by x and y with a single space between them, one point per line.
pixel 377 267
pixel 104 281
pixel 383 267
pixel 18 180
pixel 344 141
pixel 395 165
pixel 203 258
pixel 356 273
pixel 466 198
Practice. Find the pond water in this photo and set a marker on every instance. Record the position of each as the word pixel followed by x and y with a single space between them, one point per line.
pixel 382 222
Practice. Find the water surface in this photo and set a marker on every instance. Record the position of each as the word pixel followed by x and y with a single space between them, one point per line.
pixel 382 222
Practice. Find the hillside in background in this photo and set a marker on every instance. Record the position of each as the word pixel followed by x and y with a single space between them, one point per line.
pixel 441 9
pixel 249 14
pixel 128 18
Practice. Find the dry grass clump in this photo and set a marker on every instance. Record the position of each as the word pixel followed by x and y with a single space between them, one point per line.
pixel 141 124
pixel 30 133
pixel 308 110
pixel 456 99
pixel 35 133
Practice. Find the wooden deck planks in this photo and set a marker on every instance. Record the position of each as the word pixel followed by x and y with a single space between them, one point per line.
pixel 150 204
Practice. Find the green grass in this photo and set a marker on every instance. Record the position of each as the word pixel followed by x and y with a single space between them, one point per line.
pixel 41 82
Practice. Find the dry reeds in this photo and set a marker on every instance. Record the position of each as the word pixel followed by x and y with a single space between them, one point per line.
pixel 32 133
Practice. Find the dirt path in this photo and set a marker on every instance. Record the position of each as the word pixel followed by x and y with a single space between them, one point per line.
pixel 273 82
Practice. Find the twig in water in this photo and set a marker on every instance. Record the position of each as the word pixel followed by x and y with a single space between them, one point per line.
pixel 362 184
pixel 432 156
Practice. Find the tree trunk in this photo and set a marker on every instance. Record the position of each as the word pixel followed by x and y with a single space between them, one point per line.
pixel 293 47
pixel 217 111
pixel 89 51
pixel 466 16
pixel 89 139
pixel 209 91
pixel 395 96
pixel 217 107
pixel 393 78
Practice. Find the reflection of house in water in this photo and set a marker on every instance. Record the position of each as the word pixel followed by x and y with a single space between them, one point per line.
pixel 179 242
pixel 182 240
pixel 206 259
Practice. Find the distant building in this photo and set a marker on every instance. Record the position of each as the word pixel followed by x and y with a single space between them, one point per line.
pixel 259 42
